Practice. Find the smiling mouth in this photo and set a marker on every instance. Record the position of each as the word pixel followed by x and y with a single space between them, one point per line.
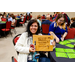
pixel 33 30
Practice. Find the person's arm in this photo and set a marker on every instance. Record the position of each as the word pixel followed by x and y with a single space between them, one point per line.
pixel 13 23
pixel 20 17
pixel 55 37
pixel 20 45
pixel 51 31
pixel 64 35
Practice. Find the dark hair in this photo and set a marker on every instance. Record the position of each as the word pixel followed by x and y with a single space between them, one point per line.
pixel 13 17
pixel 73 18
pixel 39 16
pixel 29 24
pixel 9 14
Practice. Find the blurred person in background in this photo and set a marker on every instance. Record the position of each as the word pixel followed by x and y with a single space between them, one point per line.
pixel 43 17
pixel 18 16
pixel 12 15
pixel 13 21
pixel 39 19
pixel 0 17
pixel 4 15
pixel 72 22
pixel 28 13
pixel 9 18
pixel 22 17
pixel 7 15
pixel 47 21
pixel 24 14
pixel 51 18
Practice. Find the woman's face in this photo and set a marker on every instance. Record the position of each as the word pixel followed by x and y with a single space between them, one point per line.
pixel 34 28
pixel 60 21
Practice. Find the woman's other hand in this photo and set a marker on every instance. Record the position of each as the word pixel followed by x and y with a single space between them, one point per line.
pixel 31 50
pixel 53 43
pixel 57 40
pixel 62 39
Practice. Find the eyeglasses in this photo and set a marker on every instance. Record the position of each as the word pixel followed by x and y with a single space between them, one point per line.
pixel 61 20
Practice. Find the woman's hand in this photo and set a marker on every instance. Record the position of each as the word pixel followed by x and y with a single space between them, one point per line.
pixel 31 50
pixel 62 38
pixel 57 40
pixel 53 43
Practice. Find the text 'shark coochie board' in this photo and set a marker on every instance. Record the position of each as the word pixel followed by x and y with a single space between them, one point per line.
pixel 43 42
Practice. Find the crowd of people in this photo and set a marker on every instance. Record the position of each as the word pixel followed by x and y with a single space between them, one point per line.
pixel 11 17
pixel 15 19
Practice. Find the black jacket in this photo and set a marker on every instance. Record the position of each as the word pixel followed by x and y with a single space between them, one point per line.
pixel 72 25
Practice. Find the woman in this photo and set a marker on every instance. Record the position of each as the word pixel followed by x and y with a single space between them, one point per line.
pixel 39 19
pixel 18 16
pixel 22 17
pixel 23 44
pixel 13 21
pixel 72 23
pixel 58 28
pixel 0 17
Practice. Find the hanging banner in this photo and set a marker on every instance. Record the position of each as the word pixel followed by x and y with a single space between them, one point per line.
pixel 43 42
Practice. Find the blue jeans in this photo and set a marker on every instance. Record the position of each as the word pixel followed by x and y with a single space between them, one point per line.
pixel 30 61
pixel 44 59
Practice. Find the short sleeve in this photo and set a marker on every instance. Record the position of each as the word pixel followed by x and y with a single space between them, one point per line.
pixel 52 27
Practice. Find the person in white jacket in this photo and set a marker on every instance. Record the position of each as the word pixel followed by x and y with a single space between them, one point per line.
pixel 23 44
